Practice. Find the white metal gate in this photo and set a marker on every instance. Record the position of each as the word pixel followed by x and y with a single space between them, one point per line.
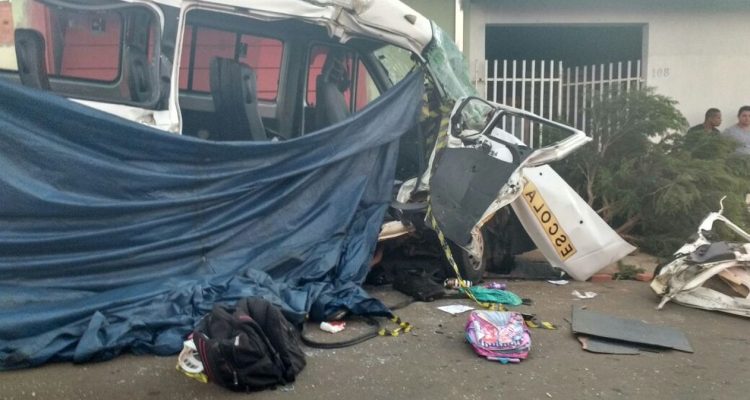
pixel 549 89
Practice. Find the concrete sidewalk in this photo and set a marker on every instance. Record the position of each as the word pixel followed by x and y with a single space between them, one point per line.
pixel 435 362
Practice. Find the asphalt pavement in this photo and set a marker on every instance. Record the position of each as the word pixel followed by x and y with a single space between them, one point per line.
pixel 435 362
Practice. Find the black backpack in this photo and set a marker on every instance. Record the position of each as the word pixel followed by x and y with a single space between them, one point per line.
pixel 252 349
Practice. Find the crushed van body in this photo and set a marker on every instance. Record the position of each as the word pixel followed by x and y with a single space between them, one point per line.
pixel 162 156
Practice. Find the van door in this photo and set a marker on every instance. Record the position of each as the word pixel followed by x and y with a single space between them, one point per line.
pixel 480 169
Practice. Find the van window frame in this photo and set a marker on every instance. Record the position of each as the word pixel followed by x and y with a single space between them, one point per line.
pixel 75 87
pixel 365 59
pixel 196 27
pixel 120 50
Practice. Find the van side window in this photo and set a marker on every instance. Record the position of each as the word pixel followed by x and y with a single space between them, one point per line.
pixel 91 49
pixel 338 84
pixel 202 44
pixel 102 53
pixel 88 45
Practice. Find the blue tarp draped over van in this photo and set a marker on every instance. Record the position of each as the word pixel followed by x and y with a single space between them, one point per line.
pixel 116 236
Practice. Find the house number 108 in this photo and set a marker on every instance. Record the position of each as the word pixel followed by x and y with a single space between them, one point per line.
pixel 660 72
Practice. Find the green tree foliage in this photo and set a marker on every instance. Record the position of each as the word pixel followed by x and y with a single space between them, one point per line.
pixel 650 182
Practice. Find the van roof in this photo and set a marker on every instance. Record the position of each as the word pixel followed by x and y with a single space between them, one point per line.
pixel 389 20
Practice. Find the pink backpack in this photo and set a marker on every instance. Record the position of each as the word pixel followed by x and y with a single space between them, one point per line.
pixel 498 335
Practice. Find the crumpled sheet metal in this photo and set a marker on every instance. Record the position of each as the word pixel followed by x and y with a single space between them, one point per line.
pixel 684 279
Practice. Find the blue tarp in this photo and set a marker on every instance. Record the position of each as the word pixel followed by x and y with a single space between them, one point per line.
pixel 116 236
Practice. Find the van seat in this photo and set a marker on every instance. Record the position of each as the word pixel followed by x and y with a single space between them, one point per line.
pixel 234 93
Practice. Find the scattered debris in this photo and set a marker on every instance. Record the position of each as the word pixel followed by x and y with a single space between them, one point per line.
pixel 713 275
pixel 628 330
pixel 333 326
pixel 532 321
pixel 417 283
pixel 584 295
pixel 604 346
pixel 455 308
pixel 455 283
pixel 496 285
pixel 559 282
pixel 189 363
pixel 738 278
pixel 497 296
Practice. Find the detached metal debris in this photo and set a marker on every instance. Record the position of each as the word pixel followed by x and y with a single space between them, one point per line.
pixel 709 274
pixel 627 332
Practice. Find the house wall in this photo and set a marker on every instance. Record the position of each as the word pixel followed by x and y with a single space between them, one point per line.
pixel 440 11
pixel 694 51
pixel 7 46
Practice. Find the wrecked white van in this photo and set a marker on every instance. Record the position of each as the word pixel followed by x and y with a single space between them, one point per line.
pixel 274 70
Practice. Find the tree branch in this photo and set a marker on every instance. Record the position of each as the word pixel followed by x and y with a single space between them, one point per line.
pixel 590 197
pixel 628 225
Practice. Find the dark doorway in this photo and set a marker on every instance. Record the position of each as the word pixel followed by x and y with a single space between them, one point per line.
pixel 573 45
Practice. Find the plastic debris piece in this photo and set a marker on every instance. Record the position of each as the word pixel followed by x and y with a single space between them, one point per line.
pixel 496 285
pixel 483 294
pixel 455 308
pixel 189 362
pixel 559 282
pixel 333 326
pixel 455 283
pixel 584 295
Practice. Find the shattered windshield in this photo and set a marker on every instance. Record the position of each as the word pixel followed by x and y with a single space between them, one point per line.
pixel 448 65
pixel 396 61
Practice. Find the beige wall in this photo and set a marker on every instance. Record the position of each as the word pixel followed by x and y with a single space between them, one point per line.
pixel 8 51
pixel 696 52
pixel 440 11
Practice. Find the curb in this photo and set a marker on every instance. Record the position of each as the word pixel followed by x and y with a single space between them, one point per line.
pixel 600 278
pixel 641 277
pixel 644 277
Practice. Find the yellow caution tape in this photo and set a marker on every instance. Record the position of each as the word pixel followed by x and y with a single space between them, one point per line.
pixel 449 255
pixel 403 326
pixel 465 286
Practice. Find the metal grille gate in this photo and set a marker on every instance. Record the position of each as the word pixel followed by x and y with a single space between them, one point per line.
pixel 549 89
